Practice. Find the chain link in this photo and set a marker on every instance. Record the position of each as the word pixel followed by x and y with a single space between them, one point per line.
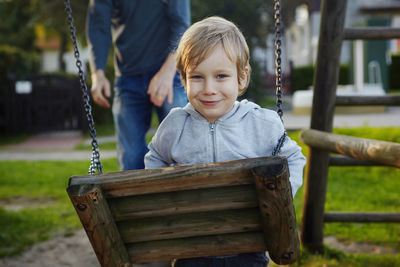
pixel 278 60
pixel 95 163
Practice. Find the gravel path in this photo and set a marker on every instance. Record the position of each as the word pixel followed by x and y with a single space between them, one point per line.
pixel 73 250
pixel 76 251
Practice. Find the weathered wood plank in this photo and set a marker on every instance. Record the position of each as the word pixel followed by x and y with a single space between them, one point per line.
pixel 387 153
pixel 181 202
pixel 142 182
pixel 190 225
pixel 102 231
pixel 165 250
pixel 379 100
pixel 164 184
pixel 362 217
pixel 278 215
pixel 371 33
pixel 379 9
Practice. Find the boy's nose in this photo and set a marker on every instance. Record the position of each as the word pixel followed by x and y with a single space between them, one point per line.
pixel 209 87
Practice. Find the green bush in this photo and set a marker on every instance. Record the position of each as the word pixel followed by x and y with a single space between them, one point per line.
pixel 302 77
pixel 394 70
pixel 16 63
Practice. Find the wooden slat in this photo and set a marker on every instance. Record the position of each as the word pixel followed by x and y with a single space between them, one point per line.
pixel 379 100
pixel 371 33
pixel 392 8
pixel 142 182
pixel 348 161
pixel 277 212
pixel 182 202
pixel 360 148
pixel 190 225
pixel 97 221
pixel 165 250
pixel 362 217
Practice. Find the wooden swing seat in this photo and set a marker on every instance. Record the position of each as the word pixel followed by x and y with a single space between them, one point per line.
pixel 189 211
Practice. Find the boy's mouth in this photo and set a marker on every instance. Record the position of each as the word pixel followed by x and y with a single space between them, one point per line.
pixel 210 103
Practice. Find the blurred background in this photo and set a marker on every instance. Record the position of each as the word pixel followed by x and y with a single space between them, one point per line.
pixel 39 90
pixel 44 136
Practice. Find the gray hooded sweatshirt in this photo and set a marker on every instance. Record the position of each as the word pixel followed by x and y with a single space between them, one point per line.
pixel 247 131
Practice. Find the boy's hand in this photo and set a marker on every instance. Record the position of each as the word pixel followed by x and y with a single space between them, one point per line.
pixel 161 85
pixel 100 89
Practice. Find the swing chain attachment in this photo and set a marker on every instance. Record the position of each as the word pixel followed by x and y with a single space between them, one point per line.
pixel 278 60
pixel 95 163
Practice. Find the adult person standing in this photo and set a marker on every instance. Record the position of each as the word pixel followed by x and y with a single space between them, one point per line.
pixel 144 35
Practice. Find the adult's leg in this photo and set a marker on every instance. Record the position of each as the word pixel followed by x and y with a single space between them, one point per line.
pixel 132 114
pixel 180 99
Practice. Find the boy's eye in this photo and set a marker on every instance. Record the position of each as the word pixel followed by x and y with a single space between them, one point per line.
pixel 221 76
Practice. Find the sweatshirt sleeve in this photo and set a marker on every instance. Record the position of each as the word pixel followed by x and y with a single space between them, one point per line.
pixel 160 147
pixel 153 159
pixel 98 32
pixel 296 162
pixel 179 17
pixel 292 151
pixel 157 157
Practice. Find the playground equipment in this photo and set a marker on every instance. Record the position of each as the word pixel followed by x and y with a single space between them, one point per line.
pixel 187 211
pixel 319 139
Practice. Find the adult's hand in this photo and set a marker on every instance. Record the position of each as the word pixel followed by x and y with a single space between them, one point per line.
pixel 161 85
pixel 100 88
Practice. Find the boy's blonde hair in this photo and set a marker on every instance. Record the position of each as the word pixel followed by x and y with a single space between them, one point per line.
pixel 203 37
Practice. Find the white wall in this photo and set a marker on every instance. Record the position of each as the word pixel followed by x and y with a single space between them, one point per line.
pixel 50 61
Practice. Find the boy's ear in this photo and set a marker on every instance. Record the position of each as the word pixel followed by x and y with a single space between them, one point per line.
pixel 244 79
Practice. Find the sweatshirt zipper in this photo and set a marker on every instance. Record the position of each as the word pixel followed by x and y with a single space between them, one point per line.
pixel 212 131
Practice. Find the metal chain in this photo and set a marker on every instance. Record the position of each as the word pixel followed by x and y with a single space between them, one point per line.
pixel 95 163
pixel 278 60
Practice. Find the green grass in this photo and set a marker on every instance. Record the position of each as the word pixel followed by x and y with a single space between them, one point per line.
pixel 42 181
pixel 358 189
pixel 335 258
pixel 349 189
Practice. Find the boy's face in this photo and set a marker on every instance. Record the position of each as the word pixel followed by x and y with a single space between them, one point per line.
pixel 212 87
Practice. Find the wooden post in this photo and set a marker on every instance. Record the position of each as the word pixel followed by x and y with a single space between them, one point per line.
pixel 325 82
pixel 277 213
pixel 95 216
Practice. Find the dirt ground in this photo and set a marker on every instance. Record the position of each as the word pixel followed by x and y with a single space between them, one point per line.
pixel 76 251
pixel 73 250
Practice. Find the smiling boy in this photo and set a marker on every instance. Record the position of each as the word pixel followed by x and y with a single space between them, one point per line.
pixel 213 61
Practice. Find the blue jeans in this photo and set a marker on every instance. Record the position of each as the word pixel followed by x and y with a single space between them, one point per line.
pixel 132 110
pixel 241 260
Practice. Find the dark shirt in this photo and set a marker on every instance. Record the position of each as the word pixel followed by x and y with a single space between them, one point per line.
pixel 144 32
